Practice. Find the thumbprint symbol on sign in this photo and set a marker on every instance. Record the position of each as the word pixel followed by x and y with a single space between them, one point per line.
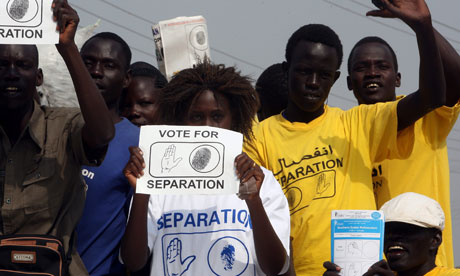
pixel 200 38
pixel 228 257
pixel 22 10
pixel 18 9
pixel 204 158
pixel 201 159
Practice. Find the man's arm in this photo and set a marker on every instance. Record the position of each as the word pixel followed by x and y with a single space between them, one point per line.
pixel 134 249
pixel 432 85
pixel 98 129
pixel 451 64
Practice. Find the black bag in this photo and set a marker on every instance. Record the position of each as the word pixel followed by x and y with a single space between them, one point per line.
pixel 33 255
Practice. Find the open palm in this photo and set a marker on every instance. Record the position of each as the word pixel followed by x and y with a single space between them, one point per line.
pixel 412 12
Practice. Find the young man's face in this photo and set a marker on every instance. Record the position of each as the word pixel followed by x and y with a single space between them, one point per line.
pixel 312 72
pixel 373 77
pixel 19 76
pixel 106 63
pixel 407 247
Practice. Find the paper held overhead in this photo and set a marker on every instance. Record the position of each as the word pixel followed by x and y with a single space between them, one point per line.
pixel 27 22
pixel 180 43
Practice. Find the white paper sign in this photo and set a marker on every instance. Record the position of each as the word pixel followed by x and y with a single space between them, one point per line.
pixel 189 160
pixel 180 43
pixel 357 240
pixel 27 22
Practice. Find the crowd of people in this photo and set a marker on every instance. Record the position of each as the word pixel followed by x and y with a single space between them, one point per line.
pixel 71 173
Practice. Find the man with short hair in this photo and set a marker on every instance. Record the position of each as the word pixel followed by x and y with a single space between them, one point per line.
pixel 413 234
pixel 271 86
pixel 42 148
pixel 322 156
pixel 107 57
pixel 373 77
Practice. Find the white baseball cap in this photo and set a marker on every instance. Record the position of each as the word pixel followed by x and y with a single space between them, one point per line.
pixel 414 209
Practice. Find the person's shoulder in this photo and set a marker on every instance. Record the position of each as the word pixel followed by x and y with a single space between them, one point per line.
pixel 273 122
pixel 260 128
pixel 363 109
pixel 52 112
pixel 127 125
pixel 270 182
pixel 126 134
pixel 334 111
pixel 55 113
pixel 275 119
pixel 444 271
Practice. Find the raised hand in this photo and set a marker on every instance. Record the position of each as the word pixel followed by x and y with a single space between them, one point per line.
pixel 251 177
pixel 174 263
pixel 412 12
pixel 67 21
pixel 169 161
pixel 134 169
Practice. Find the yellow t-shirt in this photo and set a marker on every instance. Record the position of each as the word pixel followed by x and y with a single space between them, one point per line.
pixel 443 271
pixel 426 171
pixel 326 165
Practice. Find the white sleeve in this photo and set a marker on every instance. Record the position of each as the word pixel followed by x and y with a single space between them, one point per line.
pixel 277 209
pixel 153 214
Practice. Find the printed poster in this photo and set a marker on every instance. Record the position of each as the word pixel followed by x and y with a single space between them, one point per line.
pixel 27 22
pixel 357 240
pixel 180 43
pixel 189 160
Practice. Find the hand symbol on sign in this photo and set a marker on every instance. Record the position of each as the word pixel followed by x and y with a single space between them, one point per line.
pixel 168 162
pixel 323 184
pixel 174 263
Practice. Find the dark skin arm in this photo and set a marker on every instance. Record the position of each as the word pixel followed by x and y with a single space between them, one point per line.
pixel 270 252
pixel 269 249
pixel 451 64
pixel 432 85
pixel 98 129
pixel 134 249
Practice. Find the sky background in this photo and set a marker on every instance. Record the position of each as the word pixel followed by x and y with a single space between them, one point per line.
pixel 252 35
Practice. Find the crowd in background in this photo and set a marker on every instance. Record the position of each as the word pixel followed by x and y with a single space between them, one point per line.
pixel 71 173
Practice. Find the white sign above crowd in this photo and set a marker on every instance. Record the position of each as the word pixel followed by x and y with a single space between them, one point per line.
pixel 180 43
pixel 27 22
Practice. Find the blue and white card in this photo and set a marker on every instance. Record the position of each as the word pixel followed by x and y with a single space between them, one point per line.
pixel 356 240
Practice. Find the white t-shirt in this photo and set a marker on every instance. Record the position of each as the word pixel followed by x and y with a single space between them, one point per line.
pixel 211 235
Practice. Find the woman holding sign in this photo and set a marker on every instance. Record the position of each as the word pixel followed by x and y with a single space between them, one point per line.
pixel 244 234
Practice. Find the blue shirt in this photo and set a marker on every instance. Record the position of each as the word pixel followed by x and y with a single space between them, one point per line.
pixel 107 203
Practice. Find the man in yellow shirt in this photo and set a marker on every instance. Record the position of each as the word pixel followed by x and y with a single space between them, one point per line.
pixel 413 234
pixel 373 77
pixel 323 156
